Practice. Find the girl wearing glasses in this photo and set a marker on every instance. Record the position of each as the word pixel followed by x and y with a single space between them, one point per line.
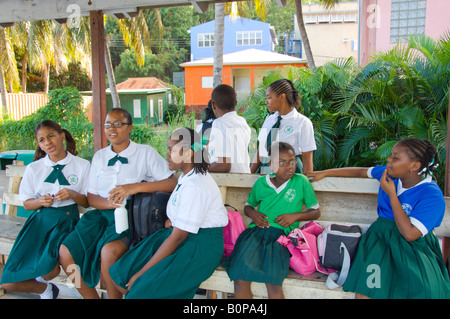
pixel 53 187
pixel 275 207
pixel 117 172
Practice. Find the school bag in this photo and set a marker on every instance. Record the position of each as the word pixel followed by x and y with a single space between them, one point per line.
pixel 146 214
pixel 302 245
pixel 232 230
pixel 337 246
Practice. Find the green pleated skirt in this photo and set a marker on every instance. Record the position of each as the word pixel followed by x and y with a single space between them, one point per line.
pixel 386 266
pixel 36 249
pixel 95 229
pixel 258 257
pixel 177 276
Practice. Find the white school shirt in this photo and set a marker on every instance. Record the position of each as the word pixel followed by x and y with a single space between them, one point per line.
pixel 76 171
pixel 144 164
pixel 295 129
pixel 196 203
pixel 230 137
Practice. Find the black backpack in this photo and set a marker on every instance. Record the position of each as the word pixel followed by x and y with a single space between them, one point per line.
pixel 146 215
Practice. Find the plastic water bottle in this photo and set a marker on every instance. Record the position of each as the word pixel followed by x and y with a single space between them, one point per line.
pixel 121 218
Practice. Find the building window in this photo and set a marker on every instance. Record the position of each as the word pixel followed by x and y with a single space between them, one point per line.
pixel 248 38
pixel 205 40
pixel 310 18
pixel 137 108
pixel 207 82
pixel 160 110
pixel 323 18
pixel 337 17
pixel 407 19
pixel 152 113
pixel 350 17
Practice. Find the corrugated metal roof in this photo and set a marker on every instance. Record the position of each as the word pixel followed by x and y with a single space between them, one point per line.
pixel 142 84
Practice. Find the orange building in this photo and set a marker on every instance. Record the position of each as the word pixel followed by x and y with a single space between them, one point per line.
pixel 241 70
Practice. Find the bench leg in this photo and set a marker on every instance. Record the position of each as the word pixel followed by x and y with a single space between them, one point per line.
pixel 2 263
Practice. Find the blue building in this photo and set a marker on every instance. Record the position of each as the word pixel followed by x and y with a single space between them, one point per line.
pixel 240 34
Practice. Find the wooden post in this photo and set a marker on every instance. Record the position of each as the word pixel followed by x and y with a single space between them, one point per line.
pixel 446 240
pixel 98 78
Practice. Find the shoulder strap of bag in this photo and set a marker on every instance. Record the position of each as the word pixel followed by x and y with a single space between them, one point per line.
pixel 334 280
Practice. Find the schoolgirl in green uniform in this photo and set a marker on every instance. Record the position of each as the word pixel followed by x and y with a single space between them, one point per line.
pixel 174 261
pixel 275 207
pixel 53 186
pixel 117 171
pixel 399 256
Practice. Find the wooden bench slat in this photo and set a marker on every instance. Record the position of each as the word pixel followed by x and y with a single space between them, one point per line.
pixel 12 199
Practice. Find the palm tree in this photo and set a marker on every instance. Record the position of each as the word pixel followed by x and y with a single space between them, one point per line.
pixel 240 8
pixel 400 93
pixel 8 66
pixel 301 26
pixel 138 33
pixel 219 31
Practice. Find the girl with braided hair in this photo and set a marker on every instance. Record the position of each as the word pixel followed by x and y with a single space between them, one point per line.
pixel 400 244
pixel 285 124
pixel 174 261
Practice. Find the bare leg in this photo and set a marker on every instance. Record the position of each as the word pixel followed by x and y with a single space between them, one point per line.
pixel 31 286
pixel 55 272
pixel 274 291
pixel 359 296
pixel 242 289
pixel 111 252
pixel 72 271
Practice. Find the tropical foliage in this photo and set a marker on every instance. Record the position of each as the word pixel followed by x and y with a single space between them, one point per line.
pixel 360 113
pixel 65 107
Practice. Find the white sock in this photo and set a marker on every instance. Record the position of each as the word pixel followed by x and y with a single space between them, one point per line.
pixel 48 293
pixel 40 279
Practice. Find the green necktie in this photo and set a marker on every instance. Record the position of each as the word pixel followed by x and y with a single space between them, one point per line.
pixel 56 174
pixel 269 136
pixel 116 158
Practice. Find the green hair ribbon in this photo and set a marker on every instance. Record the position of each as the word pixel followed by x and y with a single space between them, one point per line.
pixel 197 146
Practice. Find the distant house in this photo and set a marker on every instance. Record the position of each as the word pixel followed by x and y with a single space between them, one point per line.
pixel 242 70
pixel 332 33
pixel 240 34
pixel 146 99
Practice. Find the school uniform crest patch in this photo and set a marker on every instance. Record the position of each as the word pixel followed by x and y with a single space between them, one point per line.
pixel 289 129
pixel 73 179
pixel 407 208
pixel 290 195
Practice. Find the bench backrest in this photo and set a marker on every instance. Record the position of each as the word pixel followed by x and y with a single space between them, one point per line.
pixel 341 200
pixel 11 197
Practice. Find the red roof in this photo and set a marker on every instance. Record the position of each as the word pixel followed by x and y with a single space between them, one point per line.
pixel 142 84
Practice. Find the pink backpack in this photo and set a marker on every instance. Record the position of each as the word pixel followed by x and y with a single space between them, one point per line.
pixel 302 244
pixel 232 231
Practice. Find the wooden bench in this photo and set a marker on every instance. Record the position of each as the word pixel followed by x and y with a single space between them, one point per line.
pixel 11 224
pixel 341 200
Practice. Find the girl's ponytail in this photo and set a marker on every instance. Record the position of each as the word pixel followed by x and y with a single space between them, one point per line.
pixel 71 145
